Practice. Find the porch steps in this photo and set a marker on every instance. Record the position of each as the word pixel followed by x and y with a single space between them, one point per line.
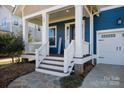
pixel 54 58
pixel 52 65
pixel 52 72
pixel 53 62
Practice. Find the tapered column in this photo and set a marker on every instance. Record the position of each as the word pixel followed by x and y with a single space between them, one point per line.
pixel 45 30
pixel 91 34
pixel 25 34
pixel 78 31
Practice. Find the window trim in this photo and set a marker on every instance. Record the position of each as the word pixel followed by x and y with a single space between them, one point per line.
pixel 55 27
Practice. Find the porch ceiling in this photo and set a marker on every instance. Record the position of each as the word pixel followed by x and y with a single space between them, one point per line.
pixel 64 14
pixel 36 20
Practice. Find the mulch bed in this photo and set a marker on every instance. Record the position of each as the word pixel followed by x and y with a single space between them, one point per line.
pixel 3 57
pixel 74 81
pixel 10 72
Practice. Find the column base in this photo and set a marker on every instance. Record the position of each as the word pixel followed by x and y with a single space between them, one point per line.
pixel 79 69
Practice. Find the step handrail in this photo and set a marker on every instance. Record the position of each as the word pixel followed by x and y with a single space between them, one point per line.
pixel 41 53
pixel 68 56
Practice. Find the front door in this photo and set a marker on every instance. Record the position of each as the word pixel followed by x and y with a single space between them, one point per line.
pixel 110 48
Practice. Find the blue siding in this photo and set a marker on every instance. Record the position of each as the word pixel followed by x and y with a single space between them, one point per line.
pixel 108 20
pixel 60 33
pixel 87 29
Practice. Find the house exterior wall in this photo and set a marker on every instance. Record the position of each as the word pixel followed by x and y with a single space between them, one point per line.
pixel 108 20
pixel 30 9
pixel 8 22
pixel 4 19
pixel 61 33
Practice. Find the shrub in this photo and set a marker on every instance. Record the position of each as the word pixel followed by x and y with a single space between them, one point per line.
pixel 11 45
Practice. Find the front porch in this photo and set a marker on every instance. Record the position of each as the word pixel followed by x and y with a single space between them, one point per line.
pixel 63 35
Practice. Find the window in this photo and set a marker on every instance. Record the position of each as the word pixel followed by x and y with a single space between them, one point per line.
pixel 108 36
pixel 4 22
pixel 16 22
pixel 123 35
pixel 53 36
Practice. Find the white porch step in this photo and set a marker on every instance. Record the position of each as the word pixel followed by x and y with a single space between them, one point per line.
pixel 54 58
pixel 53 62
pixel 51 67
pixel 52 72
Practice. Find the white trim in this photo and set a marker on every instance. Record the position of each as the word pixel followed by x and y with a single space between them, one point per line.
pixel 15 10
pixel 109 30
pixel 70 23
pixel 55 36
pixel 91 35
pixel 34 43
pixel 83 60
pixel 85 7
pixel 67 25
pixel 110 7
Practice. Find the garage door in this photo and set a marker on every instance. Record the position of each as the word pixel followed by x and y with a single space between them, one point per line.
pixel 110 47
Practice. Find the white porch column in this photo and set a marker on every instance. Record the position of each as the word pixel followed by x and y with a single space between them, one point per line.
pixel 45 30
pixel 78 31
pixel 91 34
pixel 25 34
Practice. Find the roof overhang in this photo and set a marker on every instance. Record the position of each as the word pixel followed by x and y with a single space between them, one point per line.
pixel 93 9
pixel 18 10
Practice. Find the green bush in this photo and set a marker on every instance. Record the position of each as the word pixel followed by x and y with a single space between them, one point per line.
pixel 11 45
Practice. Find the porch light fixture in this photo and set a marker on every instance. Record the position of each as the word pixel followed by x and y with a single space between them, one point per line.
pixel 119 21
pixel 67 11
pixel 84 18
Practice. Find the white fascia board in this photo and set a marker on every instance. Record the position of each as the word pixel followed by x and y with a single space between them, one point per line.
pixel 110 7
pixel 15 9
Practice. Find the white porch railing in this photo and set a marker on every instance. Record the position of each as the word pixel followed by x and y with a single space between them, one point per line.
pixel 32 46
pixel 86 48
pixel 41 53
pixel 68 56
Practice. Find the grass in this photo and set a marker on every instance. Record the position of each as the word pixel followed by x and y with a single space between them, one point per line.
pixel 10 72
pixel 74 81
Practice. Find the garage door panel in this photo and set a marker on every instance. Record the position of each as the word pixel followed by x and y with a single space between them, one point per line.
pixel 110 48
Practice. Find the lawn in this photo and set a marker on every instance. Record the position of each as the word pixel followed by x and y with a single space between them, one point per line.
pixel 10 72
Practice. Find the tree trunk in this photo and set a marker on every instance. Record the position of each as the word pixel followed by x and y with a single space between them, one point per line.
pixel 12 59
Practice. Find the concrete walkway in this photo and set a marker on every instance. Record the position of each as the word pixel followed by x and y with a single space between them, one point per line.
pixel 105 76
pixel 36 80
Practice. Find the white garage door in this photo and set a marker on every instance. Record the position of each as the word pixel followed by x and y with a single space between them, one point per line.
pixel 110 47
